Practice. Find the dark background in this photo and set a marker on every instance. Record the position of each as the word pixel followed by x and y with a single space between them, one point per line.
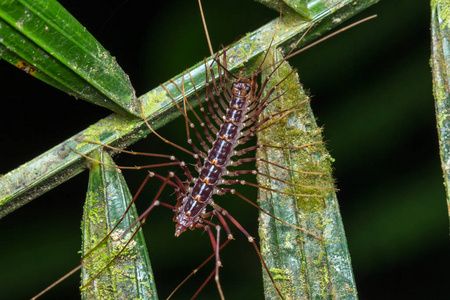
pixel 372 92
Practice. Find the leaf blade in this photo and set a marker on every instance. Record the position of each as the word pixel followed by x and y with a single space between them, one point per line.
pixel 303 266
pixel 130 273
pixel 64 54
pixel 440 62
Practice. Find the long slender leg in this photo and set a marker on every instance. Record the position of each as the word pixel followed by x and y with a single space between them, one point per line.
pixel 222 211
pixel 196 270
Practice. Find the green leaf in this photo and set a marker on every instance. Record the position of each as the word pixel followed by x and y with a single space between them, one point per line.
pixel 43 39
pixel 304 266
pixel 440 63
pixel 130 274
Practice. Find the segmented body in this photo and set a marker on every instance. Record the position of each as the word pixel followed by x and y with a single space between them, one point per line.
pixel 194 204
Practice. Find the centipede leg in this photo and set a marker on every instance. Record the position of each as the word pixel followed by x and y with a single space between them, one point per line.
pixel 215 242
pixel 225 213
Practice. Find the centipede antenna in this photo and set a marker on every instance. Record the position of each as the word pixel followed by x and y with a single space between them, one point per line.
pixel 299 40
pixel 220 64
pixel 267 52
pixel 206 28
pixel 329 36
pixel 290 54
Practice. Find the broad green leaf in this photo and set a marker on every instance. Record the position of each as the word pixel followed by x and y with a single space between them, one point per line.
pixel 129 276
pixel 43 39
pixel 303 265
pixel 440 63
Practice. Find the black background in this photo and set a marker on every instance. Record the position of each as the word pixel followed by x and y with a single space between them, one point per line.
pixel 372 92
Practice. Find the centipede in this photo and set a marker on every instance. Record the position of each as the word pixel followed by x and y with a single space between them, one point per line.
pixel 236 108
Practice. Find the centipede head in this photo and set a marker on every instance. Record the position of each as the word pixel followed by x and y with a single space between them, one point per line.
pixel 243 86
